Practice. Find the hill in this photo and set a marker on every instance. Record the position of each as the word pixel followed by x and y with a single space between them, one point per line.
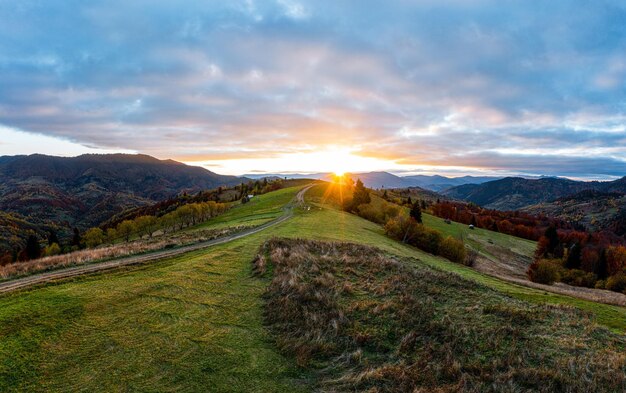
pixel 86 190
pixel 513 193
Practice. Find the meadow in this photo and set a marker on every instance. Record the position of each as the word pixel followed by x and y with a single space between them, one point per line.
pixel 195 322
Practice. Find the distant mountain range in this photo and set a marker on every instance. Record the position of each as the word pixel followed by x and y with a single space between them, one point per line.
pixel 85 190
pixel 388 180
pixel 512 193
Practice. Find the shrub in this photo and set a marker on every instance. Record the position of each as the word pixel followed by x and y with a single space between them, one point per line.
pixel 53 249
pixel 544 271
pixel 402 228
pixel 453 250
pixel 617 283
pixel 578 278
pixel 379 213
pixel 470 258
pixel 371 213
pixel 428 239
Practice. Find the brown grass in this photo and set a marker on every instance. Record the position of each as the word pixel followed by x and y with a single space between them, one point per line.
pixel 113 251
pixel 365 321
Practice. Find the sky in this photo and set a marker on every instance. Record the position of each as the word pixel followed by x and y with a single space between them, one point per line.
pixel 433 86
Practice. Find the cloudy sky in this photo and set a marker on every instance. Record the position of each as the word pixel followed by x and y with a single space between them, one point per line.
pixel 451 87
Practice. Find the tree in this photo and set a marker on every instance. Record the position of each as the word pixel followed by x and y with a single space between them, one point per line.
pixel 125 229
pixel 111 235
pixel 553 240
pixel 146 225
pixel 416 212
pixel 93 237
pixel 52 238
pixel 33 250
pixel 573 257
pixel 76 238
pixel 409 201
pixel 360 196
pixel 602 268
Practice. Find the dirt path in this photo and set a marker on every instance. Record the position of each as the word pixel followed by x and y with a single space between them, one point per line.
pixel 41 278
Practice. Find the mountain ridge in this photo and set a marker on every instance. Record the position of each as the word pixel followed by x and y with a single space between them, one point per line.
pixel 512 193
pixel 85 190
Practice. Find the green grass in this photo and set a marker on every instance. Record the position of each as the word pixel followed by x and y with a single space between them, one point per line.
pixel 478 236
pixel 190 323
pixel 260 209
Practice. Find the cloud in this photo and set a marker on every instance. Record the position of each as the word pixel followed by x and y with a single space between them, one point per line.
pixel 491 84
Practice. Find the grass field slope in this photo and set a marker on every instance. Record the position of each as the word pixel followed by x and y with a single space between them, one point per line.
pixel 199 322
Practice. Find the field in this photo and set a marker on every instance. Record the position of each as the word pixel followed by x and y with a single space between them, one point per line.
pixel 195 322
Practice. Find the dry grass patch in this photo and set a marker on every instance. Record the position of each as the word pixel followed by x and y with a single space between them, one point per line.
pixel 366 321
pixel 119 250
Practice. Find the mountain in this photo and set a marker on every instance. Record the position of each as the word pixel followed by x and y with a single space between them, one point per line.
pixel 513 193
pixel 591 209
pixel 388 180
pixel 85 190
pixel 440 183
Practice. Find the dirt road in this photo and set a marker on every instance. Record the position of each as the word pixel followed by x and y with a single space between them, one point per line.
pixel 35 279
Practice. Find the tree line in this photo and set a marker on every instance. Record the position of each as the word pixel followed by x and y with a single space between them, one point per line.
pixel 144 226
pixel 579 258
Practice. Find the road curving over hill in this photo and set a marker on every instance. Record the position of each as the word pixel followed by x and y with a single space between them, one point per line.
pixel 60 274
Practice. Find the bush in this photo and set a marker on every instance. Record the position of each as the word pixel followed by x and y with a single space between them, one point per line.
pixel 453 250
pixel 544 271
pixel 53 249
pixel 371 213
pixel 617 283
pixel 470 259
pixel 428 239
pixel 403 228
pixel 578 278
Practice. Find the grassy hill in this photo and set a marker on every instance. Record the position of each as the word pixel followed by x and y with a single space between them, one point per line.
pixel 196 322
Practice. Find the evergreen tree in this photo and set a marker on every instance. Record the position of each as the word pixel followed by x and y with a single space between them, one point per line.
pixel 553 240
pixel 360 196
pixel 409 201
pixel 416 212
pixel 76 238
pixel 52 238
pixel 573 257
pixel 602 266
pixel 473 220
pixel 33 250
